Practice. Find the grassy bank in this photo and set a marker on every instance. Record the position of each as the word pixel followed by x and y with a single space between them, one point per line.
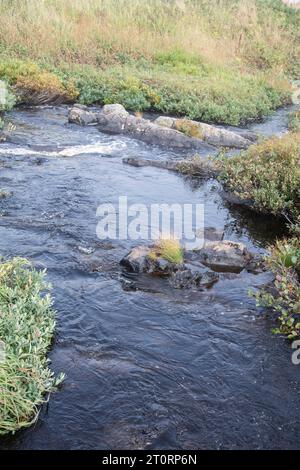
pixel 268 176
pixel 26 330
pixel 184 57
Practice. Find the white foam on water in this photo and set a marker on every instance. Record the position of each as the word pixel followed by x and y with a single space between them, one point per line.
pixel 19 151
pixel 100 148
pixel 96 148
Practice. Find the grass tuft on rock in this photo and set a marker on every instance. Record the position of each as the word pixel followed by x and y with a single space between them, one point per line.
pixel 27 323
pixel 169 250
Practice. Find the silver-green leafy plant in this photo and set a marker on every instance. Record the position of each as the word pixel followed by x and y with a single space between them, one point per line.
pixel 27 323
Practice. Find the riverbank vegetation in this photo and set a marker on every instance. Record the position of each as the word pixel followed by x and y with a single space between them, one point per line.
pixel 267 175
pixel 26 330
pixel 183 57
pixel 267 178
pixel 294 121
pixel 284 297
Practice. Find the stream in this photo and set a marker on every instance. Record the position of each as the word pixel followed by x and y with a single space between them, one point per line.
pixel 157 368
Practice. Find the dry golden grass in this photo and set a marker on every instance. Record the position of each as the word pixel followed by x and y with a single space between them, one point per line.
pixel 218 61
pixel 98 32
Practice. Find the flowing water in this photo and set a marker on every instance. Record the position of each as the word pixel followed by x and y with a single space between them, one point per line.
pixel 156 368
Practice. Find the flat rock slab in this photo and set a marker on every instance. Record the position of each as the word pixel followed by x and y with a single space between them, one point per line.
pixel 202 168
pixel 213 135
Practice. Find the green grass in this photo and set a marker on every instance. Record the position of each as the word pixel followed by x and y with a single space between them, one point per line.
pixel 170 250
pixel 26 330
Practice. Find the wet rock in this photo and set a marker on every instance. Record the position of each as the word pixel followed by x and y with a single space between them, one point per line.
pixel 86 250
pixel 2 137
pixel 115 119
pixel 211 134
pixel 193 276
pixel 181 276
pixel 257 264
pixel 249 135
pixel 128 285
pixel 83 117
pixel 137 260
pixel 200 268
pixel 225 256
pixel 212 234
pixel 141 162
pixel 203 169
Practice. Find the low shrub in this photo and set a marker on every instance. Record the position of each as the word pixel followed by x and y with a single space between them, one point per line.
pixel 294 121
pixel 33 85
pixel 284 297
pixel 7 99
pixel 26 330
pixel 268 175
pixel 210 94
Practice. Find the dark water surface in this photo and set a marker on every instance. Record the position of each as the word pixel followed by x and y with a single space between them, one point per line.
pixel 163 369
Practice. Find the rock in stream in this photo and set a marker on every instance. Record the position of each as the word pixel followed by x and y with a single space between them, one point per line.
pixel 200 269
pixel 115 119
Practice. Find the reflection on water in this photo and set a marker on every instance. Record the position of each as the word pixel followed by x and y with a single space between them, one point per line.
pixel 152 368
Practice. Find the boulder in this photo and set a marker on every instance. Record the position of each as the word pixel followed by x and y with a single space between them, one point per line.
pixel 225 256
pixel 115 109
pixel 181 276
pixel 115 119
pixel 137 260
pixel 213 135
pixel 80 115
